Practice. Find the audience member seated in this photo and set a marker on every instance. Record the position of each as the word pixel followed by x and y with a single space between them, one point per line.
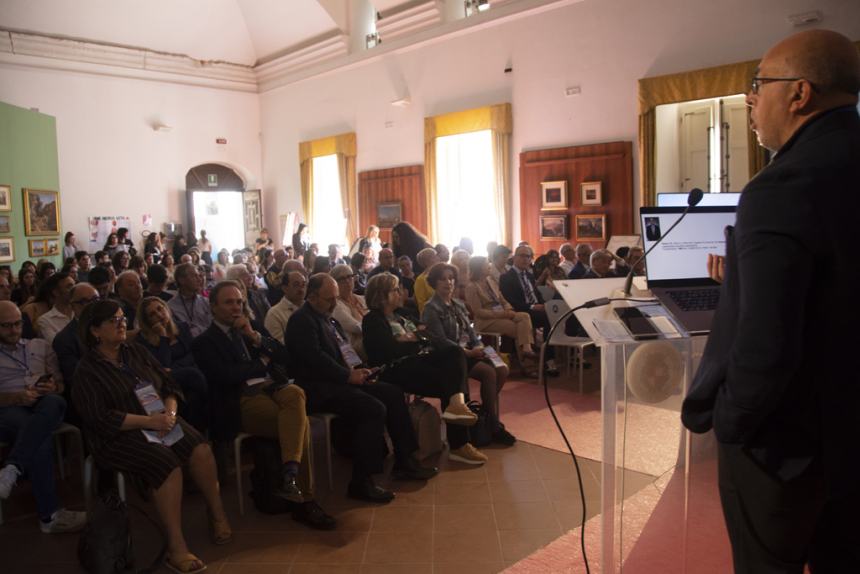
pixel 109 378
pixel 256 299
pixel 124 242
pixel 568 258
pixel 156 283
pixel 635 258
pixel 170 344
pixel 67 346
pixel 386 264
pixel 31 409
pixel 329 371
pixel 25 290
pixel 241 362
pixel 427 258
pixel 493 313
pixel 5 289
pixel 518 287
pixel 499 262
pixel 622 267
pixel 219 269
pixel 335 255
pixel 443 252
pixel 406 240
pixel 350 308
pixel 44 299
pixel 273 276
pixel 129 292
pixel 601 263
pixel 322 264
pixel 188 305
pixel 120 262
pixel 406 275
pixel 169 264
pixel 583 260
pixel 448 326
pixel 100 279
pixel 52 322
pixel 294 286
pixel 70 268
pixel 460 260
pixel 358 263
pixel 152 245
pixel 412 364
pixel 548 269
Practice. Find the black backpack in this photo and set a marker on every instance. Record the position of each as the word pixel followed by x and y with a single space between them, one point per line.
pixel 267 477
pixel 104 546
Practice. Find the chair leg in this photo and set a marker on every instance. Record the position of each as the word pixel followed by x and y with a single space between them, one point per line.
pixel 237 453
pixel 120 485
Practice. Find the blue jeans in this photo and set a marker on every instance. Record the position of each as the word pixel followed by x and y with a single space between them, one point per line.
pixel 30 430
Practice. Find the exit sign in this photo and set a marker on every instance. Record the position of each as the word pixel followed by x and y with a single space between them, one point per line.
pixel 221 141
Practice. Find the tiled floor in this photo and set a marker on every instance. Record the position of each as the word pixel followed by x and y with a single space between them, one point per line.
pixel 470 520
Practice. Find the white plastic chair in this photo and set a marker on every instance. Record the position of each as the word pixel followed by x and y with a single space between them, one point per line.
pixel 555 308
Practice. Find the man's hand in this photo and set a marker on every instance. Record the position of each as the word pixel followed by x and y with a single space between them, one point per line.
pixel 716 267
pixel 358 376
pixel 407 337
pixel 28 396
pixel 476 353
pixel 46 386
pixel 537 307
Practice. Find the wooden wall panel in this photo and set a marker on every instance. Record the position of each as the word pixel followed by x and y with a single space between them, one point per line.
pixel 609 163
pixel 403 184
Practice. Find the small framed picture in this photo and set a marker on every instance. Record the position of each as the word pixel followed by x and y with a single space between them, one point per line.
pixel 41 212
pixel 389 214
pixel 553 195
pixel 5 198
pixel 591 227
pixel 7 249
pixel 52 247
pixel 591 193
pixel 5 224
pixel 553 227
pixel 37 247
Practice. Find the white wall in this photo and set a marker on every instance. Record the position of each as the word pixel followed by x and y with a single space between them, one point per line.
pixel 604 46
pixel 113 163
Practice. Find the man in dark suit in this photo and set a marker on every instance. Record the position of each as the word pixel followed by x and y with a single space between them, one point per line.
pixel 583 258
pixel 652 228
pixel 249 391
pixel 517 285
pixel 776 382
pixel 329 371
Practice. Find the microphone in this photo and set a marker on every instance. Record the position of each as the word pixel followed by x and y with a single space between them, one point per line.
pixel 693 200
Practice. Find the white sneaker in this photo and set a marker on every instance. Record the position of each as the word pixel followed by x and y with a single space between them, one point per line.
pixel 8 478
pixel 467 454
pixel 64 521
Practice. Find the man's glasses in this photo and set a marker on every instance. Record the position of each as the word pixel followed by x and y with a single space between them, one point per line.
pixel 87 301
pixel 757 82
pixel 12 324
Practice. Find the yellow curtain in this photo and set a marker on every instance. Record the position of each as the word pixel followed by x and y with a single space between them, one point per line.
pixel 497 118
pixel 346 173
pixel 344 145
pixel 695 85
pixel 307 173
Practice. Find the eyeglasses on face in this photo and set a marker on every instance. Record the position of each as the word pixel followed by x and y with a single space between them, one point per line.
pixel 12 324
pixel 86 301
pixel 119 321
pixel 758 81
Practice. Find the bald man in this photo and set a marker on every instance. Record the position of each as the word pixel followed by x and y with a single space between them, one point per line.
pixel 31 409
pixel 776 382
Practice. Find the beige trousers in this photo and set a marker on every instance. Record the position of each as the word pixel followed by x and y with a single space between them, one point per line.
pixel 519 328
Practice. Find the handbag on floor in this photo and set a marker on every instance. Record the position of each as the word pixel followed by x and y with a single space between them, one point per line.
pixel 481 433
pixel 104 546
pixel 428 427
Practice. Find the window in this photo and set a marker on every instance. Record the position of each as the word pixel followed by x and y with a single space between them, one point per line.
pixel 466 205
pixel 328 225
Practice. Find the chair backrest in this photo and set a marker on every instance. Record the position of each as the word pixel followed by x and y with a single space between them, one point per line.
pixel 555 308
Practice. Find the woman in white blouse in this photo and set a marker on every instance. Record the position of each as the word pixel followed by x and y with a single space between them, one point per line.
pixel 350 308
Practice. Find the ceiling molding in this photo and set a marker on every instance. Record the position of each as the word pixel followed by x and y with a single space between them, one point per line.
pixel 409 18
pixel 316 52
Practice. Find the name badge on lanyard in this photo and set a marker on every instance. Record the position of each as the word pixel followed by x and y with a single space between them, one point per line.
pixel 346 351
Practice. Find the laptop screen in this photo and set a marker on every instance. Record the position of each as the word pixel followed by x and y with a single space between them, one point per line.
pixel 708 199
pixel 682 258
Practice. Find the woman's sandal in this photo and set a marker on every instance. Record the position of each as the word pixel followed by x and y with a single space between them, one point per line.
pixel 185 564
pixel 220 531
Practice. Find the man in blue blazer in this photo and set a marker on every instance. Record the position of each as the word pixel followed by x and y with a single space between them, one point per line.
pixel 776 382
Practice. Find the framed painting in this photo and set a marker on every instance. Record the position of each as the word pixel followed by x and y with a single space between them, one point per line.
pixel 7 249
pixel 591 227
pixel 389 214
pixel 553 195
pixel 36 247
pixel 5 198
pixel 592 193
pixel 52 247
pixel 41 212
pixel 5 224
pixel 553 227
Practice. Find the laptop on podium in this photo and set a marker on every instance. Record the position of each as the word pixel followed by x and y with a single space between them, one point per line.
pixel 677 269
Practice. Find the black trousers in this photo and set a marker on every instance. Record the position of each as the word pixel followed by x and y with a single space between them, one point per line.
pixel 777 526
pixel 438 374
pixel 541 321
pixel 368 410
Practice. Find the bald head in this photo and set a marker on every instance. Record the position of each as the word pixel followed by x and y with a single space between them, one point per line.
pixel 10 323
pixel 82 295
pixel 827 59
pixel 322 293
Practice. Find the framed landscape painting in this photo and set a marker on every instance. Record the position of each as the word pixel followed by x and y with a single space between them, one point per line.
pixel 591 227
pixel 553 226
pixel 41 212
pixel 5 198
pixel 7 250
pixel 388 214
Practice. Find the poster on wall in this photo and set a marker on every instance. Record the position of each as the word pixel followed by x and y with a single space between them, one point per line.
pixel 100 227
